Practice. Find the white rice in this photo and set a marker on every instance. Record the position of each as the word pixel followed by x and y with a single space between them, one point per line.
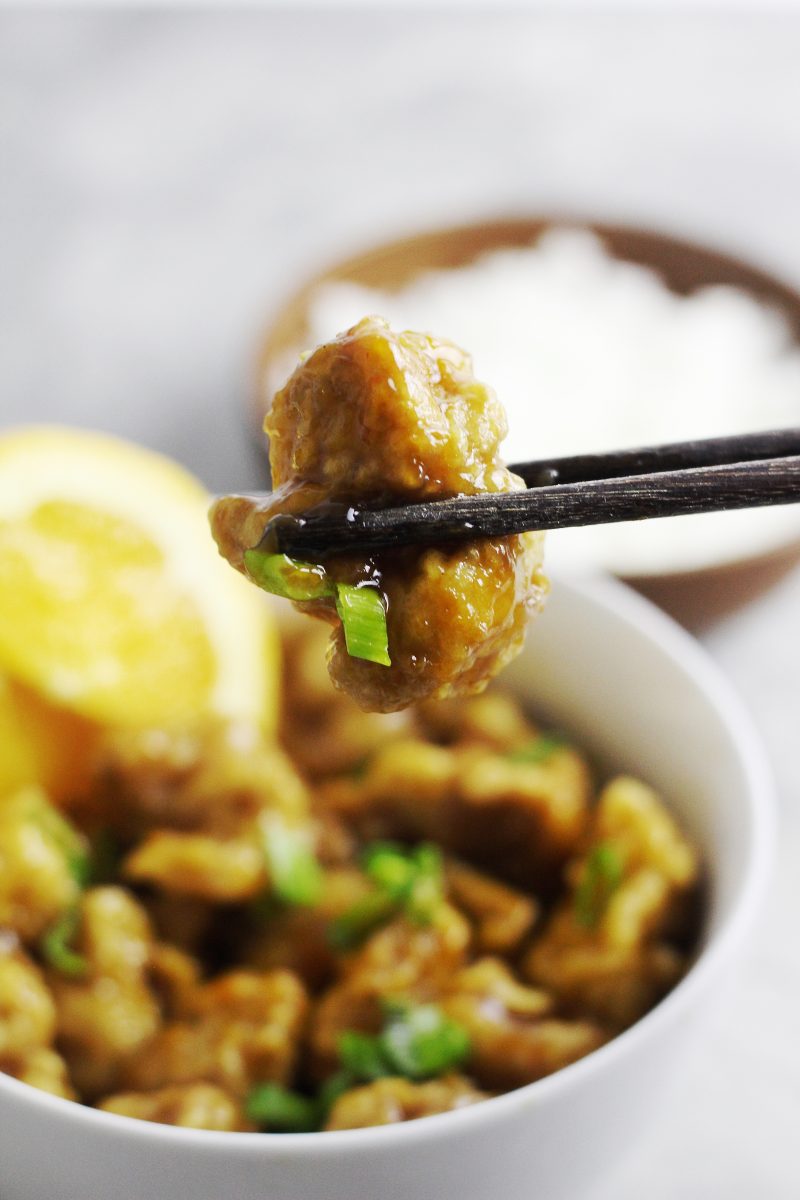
pixel 588 353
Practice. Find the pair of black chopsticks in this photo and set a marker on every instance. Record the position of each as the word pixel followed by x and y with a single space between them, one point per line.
pixel 745 471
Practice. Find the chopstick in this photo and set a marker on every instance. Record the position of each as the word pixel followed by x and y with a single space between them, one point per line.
pixel 676 456
pixel 745 471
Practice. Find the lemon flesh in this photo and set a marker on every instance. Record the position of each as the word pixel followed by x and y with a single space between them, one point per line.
pixel 113 601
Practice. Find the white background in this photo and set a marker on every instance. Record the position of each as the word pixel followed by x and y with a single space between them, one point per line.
pixel 165 179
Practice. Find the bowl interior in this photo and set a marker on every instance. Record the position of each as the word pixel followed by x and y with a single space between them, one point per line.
pixel 623 680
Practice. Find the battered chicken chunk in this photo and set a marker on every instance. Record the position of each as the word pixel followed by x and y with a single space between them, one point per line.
pixel 376 418
pixel 106 1014
pixel 519 819
pixel 388 1101
pixel 604 950
pixel 28 1025
pixel 191 1105
pixel 37 847
pixel 239 1029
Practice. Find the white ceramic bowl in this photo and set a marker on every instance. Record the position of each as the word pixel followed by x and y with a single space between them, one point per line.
pixel 636 689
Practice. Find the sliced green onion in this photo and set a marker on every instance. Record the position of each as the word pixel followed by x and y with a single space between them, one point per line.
pixel 417 1041
pixel 414 879
pixel 420 1042
pixel 79 865
pixel 602 875
pixel 363 616
pixel 407 881
pixel 360 606
pixel 427 889
pixel 275 1108
pixel 285 576
pixel 295 874
pixel 389 866
pixel 351 928
pixel 539 750
pixel 56 947
pixel 362 1054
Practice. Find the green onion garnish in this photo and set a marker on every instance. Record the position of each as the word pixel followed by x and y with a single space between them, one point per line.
pixel 539 750
pixel 274 1107
pixel 284 576
pixel 362 1054
pixel 80 868
pixel 407 881
pixel 427 888
pixel 413 878
pixel 389 865
pixel 602 875
pixel 417 1041
pixel 56 947
pixel 295 874
pixel 360 606
pixel 363 616
pixel 421 1042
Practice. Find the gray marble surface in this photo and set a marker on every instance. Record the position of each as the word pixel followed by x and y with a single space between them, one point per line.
pixel 165 179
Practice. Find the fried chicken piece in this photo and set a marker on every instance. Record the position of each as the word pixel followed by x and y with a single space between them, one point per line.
pixel 515 1038
pixel 27 1012
pixel 401 959
pixel 610 960
pixel 213 778
pixel 37 881
pixel 192 1106
pixel 240 1029
pixel 501 916
pixel 107 1016
pixel 41 1068
pixel 324 731
pixel 519 820
pixel 388 1101
pixel 380 418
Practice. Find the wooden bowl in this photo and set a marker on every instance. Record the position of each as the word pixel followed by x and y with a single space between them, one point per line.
pixel 696 598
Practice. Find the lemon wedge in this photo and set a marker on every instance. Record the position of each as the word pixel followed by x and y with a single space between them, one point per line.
pixel 114 603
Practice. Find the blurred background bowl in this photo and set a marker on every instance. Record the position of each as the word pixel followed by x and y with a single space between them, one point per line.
pixel 696 597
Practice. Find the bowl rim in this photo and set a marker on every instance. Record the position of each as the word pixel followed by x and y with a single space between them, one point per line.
pixel 760 807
